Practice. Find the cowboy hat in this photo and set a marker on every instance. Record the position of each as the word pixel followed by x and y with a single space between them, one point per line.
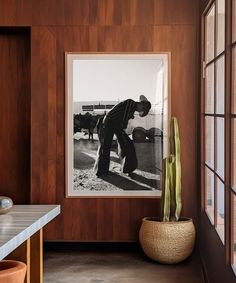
pixel 147 105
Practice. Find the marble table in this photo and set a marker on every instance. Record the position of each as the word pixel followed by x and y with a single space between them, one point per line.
pixel 21 236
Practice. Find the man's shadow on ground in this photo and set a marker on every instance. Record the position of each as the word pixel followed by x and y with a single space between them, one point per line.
pixel 141 179
pixel 125 183
pixel 153 183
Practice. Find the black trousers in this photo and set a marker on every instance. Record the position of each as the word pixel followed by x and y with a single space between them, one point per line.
pixel 106 131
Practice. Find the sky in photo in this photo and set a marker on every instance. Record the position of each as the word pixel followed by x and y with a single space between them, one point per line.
pixel 117 80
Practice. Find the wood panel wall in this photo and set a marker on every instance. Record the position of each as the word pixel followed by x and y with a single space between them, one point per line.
pixel 15 115
pixel 101 26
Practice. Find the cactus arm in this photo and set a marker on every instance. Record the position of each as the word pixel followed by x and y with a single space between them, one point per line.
pixel 172 187
pixel 165 190
pixel 171 177
pixel 178 190
pixel 176 166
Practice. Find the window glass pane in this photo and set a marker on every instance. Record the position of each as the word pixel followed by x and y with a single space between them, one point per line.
pixel 209 141
pixel 234 21
pixel 234 154
pixel 209 89
pixel 234 78
pixel 234 230
pixel 220 85
pixel 210 31
pixel 220 26
pixel 209 197
pixel 220 138
pixel 220 209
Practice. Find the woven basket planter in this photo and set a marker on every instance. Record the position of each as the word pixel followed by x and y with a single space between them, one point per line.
pixel 167 242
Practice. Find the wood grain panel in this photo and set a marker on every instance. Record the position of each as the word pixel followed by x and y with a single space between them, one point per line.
pixel 15 116
pixel 105 220
pixel 128 214
pixel 105 12
pixel 15 12
pixel 43 116
pixel 43 120
pixel 96 11
pixel 101 26
pixel 123 219
pixel 125 39
pixel 139 12
pixel 69 39
pixel 113 12
pixel 121 12
pixel 72 12
pixel 171 12
pixel 181 41
pixel 93 38
pixel 79 219
pixel 44 13
pixel 142 12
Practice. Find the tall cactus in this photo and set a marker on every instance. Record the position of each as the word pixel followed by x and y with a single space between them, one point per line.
pixel 171 177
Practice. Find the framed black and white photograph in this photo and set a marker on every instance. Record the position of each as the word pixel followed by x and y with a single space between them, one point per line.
pixel 117 116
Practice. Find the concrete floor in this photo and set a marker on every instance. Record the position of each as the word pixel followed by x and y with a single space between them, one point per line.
pixel 123 267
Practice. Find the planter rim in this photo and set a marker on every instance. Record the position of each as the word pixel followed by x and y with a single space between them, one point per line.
pixel 157 220
pixel 11 266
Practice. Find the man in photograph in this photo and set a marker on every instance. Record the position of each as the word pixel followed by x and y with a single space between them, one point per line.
pixel 114 123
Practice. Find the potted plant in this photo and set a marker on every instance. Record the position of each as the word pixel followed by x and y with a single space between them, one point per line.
pixel 170 238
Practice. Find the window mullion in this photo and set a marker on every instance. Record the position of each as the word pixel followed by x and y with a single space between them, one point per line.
pixel 228 148
pixel 215 127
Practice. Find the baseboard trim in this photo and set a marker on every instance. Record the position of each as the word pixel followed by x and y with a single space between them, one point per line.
pixel 92 246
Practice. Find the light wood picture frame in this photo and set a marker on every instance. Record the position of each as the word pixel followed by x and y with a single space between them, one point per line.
pixel 94 84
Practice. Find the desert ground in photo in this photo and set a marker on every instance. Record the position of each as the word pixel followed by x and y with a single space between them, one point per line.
pixel 145 178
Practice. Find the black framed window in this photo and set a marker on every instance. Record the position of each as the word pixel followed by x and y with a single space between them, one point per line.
pixel 214 115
